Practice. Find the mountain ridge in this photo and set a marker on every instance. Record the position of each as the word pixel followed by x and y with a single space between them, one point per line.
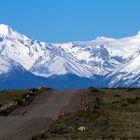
pixel 101 57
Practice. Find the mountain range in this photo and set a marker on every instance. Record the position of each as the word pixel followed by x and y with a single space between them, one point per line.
pixel 103 62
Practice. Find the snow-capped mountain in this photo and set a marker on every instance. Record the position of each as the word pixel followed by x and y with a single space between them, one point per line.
pixel 127 75
pixel 115 61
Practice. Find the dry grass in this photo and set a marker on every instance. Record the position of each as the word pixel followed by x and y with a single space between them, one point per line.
pixel 108 114
pixel 12 99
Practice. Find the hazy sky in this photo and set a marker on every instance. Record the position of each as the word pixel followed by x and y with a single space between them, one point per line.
pixel 71 20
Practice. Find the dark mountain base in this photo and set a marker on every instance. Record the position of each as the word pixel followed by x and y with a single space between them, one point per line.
pixel 21 79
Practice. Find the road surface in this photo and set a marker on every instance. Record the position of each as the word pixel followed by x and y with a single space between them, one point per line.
pixel 27 121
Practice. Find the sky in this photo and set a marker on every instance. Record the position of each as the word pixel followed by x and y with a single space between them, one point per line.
pixel 71 20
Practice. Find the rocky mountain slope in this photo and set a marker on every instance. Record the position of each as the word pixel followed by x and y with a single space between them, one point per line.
pixel 115 61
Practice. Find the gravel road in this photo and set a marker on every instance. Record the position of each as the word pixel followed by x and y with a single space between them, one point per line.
pixel 30 120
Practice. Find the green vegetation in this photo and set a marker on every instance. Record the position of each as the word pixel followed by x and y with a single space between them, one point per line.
pixel 106 114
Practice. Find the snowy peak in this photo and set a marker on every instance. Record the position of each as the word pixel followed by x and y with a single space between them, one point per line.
pixel 103 57
pixel 5 30
pixel 9 33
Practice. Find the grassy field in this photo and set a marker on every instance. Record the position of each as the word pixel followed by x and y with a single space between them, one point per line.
pixel 105 114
